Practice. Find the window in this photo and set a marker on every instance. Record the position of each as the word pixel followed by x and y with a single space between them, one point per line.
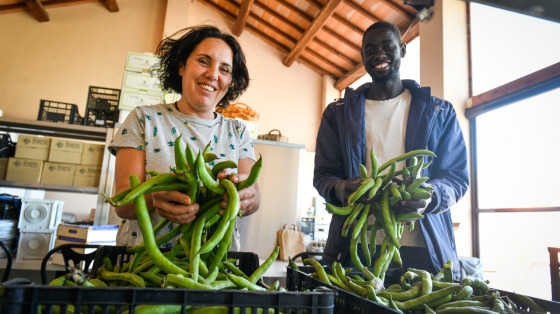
pixel 516 208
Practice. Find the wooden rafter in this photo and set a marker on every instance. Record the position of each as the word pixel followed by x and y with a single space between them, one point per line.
pixel 37 10
pixel 350 77
pixel 363 11
pixel 317 24
pixel 112 5
pixel 242 17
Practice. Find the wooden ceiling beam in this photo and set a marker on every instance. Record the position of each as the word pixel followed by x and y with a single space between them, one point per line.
pixel 336 68
pixel 37 10
pixel 406 10
pixel 334 51
pixel 242 17
pixel 363 11
pixel 312 30
pixel 265 8
pixel 350 77
pixel 112 5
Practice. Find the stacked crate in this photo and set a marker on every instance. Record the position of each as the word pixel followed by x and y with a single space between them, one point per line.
pixel 102 109
pixel 141 87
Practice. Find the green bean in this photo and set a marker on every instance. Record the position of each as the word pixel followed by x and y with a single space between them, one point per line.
pixel 363 172
pixel 362 221
pixel 257 274
pixel 387 222
pixel 253 175
pixel 354 254
pixel 222 165
pixel 527 303
pixel 461 303
pixel 427 285
pixel 389 176
pixel 374 165
pixel 244 283
pixel 318 268
pixel 466 310
pixel 464 294
pixel 365 247
pixel 223 284
pixel 365 186
pixel 337 282
pixel 234 269
pixel 206 177
pixel 185 282
pixel 292 264
pixel 152 278
pixel 415 184
pixel 180 158
pixel 350 219
pixel 375 188
pixel 133 279
pixel 194 256
pixel 158 309
pixel 409 294
pixel 147 232
pixel 141 189
pixel 417 168
pixel 479 286
pixel 408 216
pixel 411 154
pixel 343 211
pixel 158 241
pixel 223 247
pixel 228 218
pixel 427 298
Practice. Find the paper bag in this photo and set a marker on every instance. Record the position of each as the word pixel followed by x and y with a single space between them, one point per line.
pixel 290 241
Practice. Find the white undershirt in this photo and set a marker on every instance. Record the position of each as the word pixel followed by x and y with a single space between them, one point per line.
pixel 385 129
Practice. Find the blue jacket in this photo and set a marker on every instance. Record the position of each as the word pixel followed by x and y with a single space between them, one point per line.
pixel 433 125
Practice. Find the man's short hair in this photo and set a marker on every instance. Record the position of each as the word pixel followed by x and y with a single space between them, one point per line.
pixel 383 24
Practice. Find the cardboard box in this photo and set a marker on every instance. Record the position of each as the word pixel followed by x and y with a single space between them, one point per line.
pixel 3 168
pixel 24 170
pixel 83 234
pixel 33 147
pixel 58 173
pixel 140 81
pixel 141 62
pixel 131 99
pixel 251 126
pixel 66 151
pixel 93 154
pixel 87 176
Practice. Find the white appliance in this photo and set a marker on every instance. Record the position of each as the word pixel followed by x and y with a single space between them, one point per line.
pixel 279 183
pixel 40 214
pixel 34 244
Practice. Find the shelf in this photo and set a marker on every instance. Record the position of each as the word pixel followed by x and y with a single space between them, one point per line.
pixel 53 129
pixel 277 143
pixel 49 187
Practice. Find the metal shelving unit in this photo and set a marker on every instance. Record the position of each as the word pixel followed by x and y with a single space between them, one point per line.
pixel 70 131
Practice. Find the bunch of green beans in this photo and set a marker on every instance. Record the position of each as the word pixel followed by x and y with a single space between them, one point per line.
pixel 422 292
pixel 198 258
pixel 378 195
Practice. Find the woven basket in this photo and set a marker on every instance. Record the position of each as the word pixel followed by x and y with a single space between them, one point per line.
pixel 272 136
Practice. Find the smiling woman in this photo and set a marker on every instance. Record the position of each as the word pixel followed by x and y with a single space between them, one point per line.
pixel 207 67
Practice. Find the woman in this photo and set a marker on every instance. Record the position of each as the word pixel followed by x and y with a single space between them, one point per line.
pixel 207 68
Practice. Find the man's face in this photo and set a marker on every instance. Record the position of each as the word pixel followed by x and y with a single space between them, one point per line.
pixel 381 54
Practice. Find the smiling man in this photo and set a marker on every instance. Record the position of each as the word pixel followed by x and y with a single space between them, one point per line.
pixel 392 116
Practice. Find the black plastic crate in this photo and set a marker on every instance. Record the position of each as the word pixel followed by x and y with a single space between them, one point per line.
pixel 56 111
pixel 103 98
pixel 247 262
pixel 100 118
pixel 7 146
pixel 344 301
pixel 28 298
pixel 347 302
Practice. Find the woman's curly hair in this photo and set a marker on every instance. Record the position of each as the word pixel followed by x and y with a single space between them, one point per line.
pixel 174 52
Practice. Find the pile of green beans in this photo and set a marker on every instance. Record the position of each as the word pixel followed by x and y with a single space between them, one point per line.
pixel 198 258
pixel 422 292
pixel 378 195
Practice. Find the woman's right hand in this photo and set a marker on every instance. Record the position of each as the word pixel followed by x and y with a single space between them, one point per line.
pixel 175 206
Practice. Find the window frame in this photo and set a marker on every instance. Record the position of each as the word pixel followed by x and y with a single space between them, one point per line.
pixel 525 87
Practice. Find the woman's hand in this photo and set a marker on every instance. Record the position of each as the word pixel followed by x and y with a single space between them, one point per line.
pixel 175 206
pixel 249 198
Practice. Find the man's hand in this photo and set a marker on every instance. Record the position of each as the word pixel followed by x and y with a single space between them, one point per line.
pixel 344 188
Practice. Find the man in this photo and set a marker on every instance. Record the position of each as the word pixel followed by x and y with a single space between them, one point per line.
pixel 393 116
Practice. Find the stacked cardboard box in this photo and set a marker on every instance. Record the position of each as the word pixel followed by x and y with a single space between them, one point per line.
pixel 83 234
pixel 27 163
